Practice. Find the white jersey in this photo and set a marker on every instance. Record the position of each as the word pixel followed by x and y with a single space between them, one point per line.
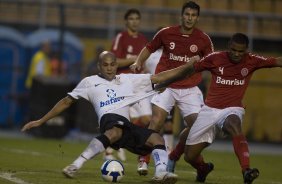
pixel 152 61
pixel 113 96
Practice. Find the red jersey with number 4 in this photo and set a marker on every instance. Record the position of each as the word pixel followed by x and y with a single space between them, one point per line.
pixel 178 48
pixel 127 46
pixel 229 80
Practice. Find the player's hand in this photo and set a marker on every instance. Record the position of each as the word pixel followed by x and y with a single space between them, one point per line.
pixel 31 125
pixel 160 88
pixel 195 58
pixel 135 67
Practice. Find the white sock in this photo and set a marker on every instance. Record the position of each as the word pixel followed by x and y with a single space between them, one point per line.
pixel 160 157
pixel 94 148
pixel 168 141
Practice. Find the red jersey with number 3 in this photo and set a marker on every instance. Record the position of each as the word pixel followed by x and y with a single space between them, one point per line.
pixel 127 46
pixel 229 80
pixel 178 48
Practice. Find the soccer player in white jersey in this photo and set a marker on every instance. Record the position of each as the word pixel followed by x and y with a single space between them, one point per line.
pixel 111 96
pixel 231 72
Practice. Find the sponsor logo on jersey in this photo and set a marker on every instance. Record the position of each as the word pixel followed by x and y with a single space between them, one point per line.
pixel 244 72
pixel 193 48
pixel 129 49
pixel 184 58
pixel 234 82
pixel 111 93
pixel 112 98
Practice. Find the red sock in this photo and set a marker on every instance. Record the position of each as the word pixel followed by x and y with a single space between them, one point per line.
pixel 145 158
pixel 177 151
pixel 241 149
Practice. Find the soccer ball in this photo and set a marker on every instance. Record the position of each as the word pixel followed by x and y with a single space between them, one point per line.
pixel 112 171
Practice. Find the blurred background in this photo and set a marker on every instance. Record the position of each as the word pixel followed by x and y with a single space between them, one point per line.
pixel 78 29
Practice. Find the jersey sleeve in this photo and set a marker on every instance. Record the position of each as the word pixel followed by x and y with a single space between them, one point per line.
pixel 80 91
pixel 156 42
pixel 209 46
pixel 141 82
pixel 117 48
pixel 263 62
pixel 205 63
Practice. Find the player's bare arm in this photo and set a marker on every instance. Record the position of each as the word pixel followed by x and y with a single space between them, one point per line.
pixel 176 73
pixel 57 109
pixel 142 57
pixel 126 61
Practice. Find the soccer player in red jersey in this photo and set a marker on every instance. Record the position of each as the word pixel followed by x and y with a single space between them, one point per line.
pixel 126 46
pixel 231 73
pixel 180 43
pixel 128 43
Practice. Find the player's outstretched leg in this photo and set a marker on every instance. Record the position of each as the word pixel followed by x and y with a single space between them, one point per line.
pixel 96 146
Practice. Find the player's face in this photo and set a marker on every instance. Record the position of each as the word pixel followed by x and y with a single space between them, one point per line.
pixel 133 22
pixel 108 68
pixel 189 18
pixel 237 52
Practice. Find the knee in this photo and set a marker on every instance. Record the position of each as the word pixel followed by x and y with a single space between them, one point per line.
pixel 113 134
pixel 184 134
pixel 145 119
pixel 158 117
pixel 190 120
pixel 233 127
pixel 155 139
pixel 156 123
pixel 159 139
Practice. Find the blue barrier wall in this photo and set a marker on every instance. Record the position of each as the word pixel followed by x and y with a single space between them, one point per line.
pixel 13 68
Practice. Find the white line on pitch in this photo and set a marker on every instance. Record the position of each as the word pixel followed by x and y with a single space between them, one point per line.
pixel 11 178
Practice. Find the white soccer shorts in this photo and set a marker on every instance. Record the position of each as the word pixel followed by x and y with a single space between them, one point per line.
pixel 210 122
pixel 188 100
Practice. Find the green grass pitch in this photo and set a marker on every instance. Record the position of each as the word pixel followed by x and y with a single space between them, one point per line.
pixel 40 161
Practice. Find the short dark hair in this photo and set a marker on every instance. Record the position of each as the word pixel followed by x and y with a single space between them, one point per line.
pixel 192 5
pixel 131 11
pixel 240 38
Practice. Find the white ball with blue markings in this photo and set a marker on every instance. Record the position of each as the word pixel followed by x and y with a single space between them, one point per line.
pixel 112 171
